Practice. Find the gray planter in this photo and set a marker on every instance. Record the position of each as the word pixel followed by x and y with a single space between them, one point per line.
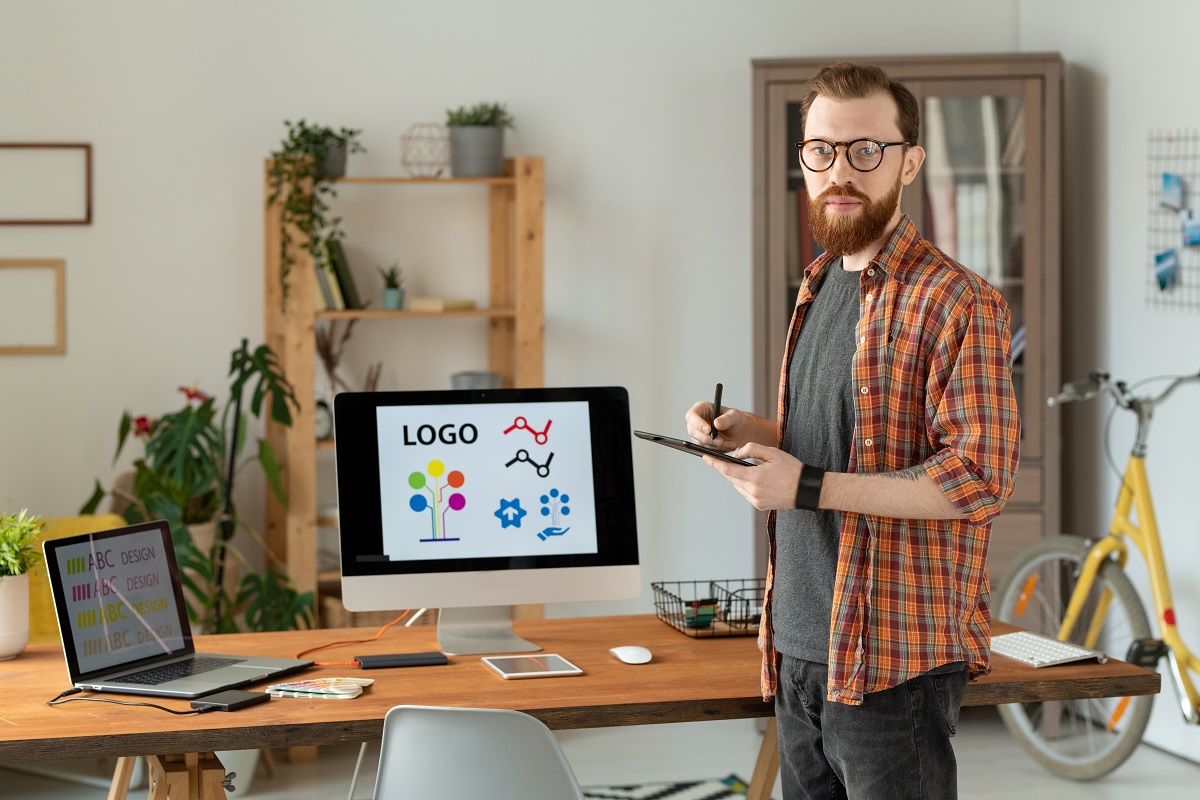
pixel 334 165
pixel 476 151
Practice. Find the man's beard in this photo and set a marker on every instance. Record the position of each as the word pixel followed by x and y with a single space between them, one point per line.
pixel 846 234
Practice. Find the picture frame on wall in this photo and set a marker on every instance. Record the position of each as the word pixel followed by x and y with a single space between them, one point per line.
pixel 45 183
pixel 33 304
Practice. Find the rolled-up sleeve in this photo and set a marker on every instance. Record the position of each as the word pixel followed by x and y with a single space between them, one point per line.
pixel 971 407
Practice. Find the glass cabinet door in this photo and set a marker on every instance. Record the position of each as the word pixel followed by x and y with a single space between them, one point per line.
pixel 969 199
pixel 988 194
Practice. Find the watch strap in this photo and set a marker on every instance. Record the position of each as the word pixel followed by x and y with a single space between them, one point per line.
pixel 808 491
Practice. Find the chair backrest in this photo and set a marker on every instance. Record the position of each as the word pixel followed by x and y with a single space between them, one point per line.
pixel 439 753
pixel 43 623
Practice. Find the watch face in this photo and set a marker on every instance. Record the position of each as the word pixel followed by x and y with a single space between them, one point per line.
pixel 324 420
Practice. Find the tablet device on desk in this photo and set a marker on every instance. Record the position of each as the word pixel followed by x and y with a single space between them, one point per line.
pixel 691 447
pixel 547 666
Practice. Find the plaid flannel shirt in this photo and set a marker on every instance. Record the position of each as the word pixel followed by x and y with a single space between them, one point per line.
pixel 933 386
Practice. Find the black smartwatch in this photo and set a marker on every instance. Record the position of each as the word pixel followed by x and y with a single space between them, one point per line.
pixel 808 491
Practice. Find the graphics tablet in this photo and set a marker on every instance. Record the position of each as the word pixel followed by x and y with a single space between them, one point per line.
pixel 539 666
pixel 691 447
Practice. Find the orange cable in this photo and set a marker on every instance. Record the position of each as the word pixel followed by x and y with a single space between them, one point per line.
pixel 303 653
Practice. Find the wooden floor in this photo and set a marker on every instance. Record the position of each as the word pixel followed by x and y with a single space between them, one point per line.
pixel 990 766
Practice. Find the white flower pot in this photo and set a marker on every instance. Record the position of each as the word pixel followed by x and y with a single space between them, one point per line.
pixel 14 615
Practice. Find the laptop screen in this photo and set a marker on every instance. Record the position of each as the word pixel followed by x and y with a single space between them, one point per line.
pixel 118 597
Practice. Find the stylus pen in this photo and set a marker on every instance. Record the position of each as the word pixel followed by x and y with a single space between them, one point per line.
pixel 716 411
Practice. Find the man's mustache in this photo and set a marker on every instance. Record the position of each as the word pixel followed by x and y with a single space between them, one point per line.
pixel 841 191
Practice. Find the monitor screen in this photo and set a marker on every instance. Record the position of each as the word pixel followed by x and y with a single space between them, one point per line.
pixel 483 499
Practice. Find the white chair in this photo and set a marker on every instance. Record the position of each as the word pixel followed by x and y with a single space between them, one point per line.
pixel 439 753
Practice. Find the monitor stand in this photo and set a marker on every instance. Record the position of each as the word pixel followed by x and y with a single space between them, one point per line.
pixel 474 631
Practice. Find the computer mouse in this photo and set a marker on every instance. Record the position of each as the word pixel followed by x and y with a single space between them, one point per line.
pixel 631 654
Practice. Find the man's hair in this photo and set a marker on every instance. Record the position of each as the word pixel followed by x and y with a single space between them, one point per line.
pixel 846 80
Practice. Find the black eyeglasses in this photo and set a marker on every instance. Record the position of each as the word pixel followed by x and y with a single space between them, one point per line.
pixel 864 155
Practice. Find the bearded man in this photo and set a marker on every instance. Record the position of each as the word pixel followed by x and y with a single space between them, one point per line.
pixel 896 446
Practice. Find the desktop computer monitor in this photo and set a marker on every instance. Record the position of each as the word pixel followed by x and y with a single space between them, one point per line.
pixel 471 501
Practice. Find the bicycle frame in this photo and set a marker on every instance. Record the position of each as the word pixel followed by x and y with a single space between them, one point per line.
pixel 1135 495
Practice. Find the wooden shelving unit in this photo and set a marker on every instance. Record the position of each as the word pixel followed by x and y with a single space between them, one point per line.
pixel 1022 166
pixel 514 314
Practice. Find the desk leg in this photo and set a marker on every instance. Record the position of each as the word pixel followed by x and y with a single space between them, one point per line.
pixel 194 776
pixel 119 789
pixel 762 782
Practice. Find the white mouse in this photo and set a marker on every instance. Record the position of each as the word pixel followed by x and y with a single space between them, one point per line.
pixel 631 654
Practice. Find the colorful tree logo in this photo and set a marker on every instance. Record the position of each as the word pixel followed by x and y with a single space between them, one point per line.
pixel 437 503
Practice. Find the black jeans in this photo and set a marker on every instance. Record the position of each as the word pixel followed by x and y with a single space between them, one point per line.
pixel 895 746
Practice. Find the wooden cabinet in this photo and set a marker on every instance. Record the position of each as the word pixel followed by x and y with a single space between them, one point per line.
pixel 989 194
pixel 514 314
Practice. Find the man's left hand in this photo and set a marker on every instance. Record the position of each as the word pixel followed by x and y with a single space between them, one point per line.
pixel 769 486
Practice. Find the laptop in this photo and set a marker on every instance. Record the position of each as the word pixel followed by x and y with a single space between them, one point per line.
pixel 119 603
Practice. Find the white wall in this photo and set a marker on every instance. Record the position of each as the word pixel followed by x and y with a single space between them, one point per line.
pixel 642 112
pixel 1128 73
pixel 640 109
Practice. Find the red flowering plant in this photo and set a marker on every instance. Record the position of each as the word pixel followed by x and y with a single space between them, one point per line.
pixel 186 476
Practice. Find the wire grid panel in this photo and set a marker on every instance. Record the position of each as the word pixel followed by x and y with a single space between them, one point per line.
pixel 1175 153
pixel 711 608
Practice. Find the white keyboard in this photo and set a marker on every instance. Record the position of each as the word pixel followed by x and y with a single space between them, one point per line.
pixel 1037 650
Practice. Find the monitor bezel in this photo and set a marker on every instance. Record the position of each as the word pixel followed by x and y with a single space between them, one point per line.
pixel 359 494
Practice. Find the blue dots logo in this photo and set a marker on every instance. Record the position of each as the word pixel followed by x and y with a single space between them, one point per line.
pixel 554 505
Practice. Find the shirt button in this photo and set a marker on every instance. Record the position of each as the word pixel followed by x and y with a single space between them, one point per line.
pixel 862 340
pixel 864 390
pixel 870 297
pixel 871 271
pixel 868 442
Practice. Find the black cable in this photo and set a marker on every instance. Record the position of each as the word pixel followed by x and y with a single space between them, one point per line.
pixel 59 701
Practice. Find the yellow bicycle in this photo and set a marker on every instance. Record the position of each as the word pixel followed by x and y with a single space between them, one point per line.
pixel 1076 590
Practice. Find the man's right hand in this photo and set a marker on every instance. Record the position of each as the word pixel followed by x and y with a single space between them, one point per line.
pixel 735 428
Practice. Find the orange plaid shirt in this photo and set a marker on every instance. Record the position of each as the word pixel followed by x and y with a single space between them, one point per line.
pixel 933 386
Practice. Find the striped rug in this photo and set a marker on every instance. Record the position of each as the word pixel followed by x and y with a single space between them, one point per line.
pixel 716 789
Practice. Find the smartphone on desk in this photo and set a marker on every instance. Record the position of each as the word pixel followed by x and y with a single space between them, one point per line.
pixel 547 666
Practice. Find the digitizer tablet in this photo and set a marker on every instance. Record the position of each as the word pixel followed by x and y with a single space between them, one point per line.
pixel 540 666
pixel 691 447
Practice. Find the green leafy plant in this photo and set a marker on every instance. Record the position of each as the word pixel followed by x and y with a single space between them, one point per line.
pixel 298 176
pixel 491 114
pixel 18 543
pixel 187 473
pixel 391 276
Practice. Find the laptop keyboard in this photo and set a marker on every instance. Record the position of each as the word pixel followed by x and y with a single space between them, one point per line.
pixel 179 669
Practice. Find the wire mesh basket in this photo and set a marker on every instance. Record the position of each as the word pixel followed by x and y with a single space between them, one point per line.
pixel 711 608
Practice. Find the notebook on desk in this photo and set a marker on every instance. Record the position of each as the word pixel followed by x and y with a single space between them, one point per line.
pixel 124 627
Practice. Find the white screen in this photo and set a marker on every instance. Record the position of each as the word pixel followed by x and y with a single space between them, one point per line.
pixel 120 601
pixel 486 480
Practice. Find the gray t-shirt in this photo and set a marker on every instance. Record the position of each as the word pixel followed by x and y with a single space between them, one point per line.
pixel 819 432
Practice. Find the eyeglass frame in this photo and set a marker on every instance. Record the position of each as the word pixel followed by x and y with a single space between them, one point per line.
pixel 883 146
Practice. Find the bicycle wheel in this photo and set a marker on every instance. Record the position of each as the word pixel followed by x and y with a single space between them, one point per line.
pixel 1079 739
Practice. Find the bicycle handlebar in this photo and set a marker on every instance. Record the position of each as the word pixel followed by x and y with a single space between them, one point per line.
pixel 1098 383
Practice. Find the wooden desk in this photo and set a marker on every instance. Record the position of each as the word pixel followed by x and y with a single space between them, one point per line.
pixel 688 680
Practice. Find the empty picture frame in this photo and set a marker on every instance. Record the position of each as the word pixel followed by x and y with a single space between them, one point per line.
pixel 33 305
pixel 45 184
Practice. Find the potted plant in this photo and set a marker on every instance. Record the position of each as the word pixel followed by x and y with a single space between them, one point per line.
pixel 302 173
pixel 477 139
pixel 393 292
pixel 18 555
pixel 186 476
